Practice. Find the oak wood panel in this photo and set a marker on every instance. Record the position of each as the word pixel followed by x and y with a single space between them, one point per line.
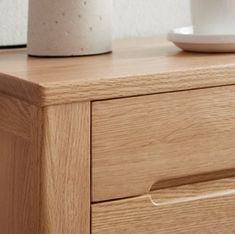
pixel 142 140
pixel 17 117
pixel 44 168
pixel 66 170
pixel 136 67
pixel 19 167
pixel 198 208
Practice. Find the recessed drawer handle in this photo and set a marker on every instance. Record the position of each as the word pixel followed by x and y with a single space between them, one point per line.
pixel 192 192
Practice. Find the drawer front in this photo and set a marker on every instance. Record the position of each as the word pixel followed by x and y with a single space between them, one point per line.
pixel 142 140
pixel 201 208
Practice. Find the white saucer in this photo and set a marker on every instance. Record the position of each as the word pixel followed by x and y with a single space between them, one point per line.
pixel 185 39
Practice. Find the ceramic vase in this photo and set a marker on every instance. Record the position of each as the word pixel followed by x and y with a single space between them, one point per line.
pixel 69 27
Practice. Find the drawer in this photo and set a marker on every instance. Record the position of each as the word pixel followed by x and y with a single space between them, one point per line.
pixel 207 207
pixel 139 141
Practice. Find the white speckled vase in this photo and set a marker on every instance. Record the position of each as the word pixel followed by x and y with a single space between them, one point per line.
pixel 69 27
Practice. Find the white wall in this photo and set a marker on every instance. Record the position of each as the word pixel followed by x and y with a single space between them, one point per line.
pixel 13 21
pixel 131 18
pixel 149 17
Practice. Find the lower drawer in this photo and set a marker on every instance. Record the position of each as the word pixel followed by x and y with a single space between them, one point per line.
pixel 206 207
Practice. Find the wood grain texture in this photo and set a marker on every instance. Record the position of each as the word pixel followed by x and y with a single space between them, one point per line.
pixel 198 208
pixel 17 117
pixel 44 168
pixel 19 167
pixel 136 67
pixel 66 170
pixel 139 141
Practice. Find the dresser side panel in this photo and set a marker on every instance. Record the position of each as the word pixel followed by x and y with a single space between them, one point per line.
pixel 20 126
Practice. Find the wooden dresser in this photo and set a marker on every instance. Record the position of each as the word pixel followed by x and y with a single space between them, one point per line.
pixel 140 141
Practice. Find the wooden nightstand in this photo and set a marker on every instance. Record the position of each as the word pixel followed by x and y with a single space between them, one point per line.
pixel 139 141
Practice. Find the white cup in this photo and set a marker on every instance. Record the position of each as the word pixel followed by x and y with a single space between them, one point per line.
pixel 213 16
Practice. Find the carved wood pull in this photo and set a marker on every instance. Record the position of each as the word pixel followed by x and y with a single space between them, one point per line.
pixel 193 188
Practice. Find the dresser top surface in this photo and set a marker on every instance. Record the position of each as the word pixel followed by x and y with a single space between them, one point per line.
pixel 136 67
